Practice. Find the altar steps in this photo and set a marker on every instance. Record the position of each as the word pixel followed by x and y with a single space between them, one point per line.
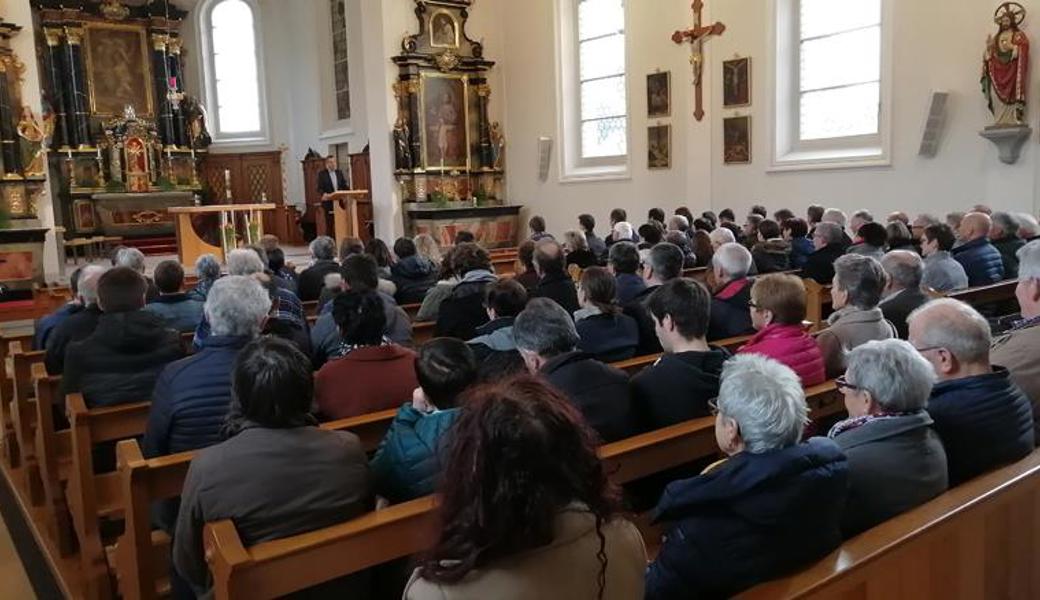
pixel 153 246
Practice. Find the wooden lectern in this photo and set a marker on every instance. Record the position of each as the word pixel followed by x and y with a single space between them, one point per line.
pixel 236 222
pixel 351 213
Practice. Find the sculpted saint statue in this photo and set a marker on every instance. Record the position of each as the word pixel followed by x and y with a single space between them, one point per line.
pixel 1005 66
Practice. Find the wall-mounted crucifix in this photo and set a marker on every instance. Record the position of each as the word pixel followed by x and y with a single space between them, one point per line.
pixel 696 37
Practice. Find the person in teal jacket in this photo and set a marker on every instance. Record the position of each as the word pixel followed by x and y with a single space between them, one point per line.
pixel 407 464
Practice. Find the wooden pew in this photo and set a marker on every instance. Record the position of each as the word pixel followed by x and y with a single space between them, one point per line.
pixel 422 332
pixel 818 298
pixel 54 456
pixel 23 421
pixel 978 540
pixel 987 294
pixel 9 345
pixel 411 310
pixel 310 308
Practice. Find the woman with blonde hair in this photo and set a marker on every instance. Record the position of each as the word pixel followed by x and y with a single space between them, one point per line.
pixel 576 247
pixel 428 248
pixel 777 310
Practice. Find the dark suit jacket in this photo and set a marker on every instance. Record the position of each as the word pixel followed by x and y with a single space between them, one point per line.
pixel 559 287
pixel 325 185
pixel 820 264
pixel 635 308
pixel 899 308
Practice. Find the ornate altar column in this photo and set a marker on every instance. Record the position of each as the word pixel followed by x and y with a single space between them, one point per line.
pixel 60 98
pixel 180 126
pixel 160 68
pixel 79 128
pixel 9 153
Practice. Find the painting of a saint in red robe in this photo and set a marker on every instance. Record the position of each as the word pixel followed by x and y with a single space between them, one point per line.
pixel 1005 66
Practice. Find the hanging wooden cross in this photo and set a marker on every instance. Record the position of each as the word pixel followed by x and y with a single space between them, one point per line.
pixel 696 37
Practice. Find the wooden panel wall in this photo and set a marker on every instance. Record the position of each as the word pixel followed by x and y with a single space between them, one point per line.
pixel 254 174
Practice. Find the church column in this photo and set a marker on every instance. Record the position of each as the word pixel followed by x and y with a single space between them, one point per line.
pixel 180 129
pixel 12 160
pixel 161 68
pixel 52 63
pixel 483 91
pixel 79 128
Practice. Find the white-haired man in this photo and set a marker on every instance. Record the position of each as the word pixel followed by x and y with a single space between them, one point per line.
pixel 983 418
pixel 1019 348
pixel 134 259
pixel 78 326
pixel 838 217
pixel 730 315
pixel 1028 227
pixel 312 279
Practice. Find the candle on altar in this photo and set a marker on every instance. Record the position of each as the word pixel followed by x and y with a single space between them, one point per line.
pixel 69 151
pixel 99 153
pixel 227 183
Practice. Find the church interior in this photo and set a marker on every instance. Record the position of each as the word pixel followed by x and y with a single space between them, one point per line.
pixel 187 130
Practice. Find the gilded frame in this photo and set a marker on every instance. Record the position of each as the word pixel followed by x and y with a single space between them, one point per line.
pixel 99 107
pixel 664 134
pixel 732 94
pixel 424 84
pixel 454 26
pixel 736 146
pixel 653 79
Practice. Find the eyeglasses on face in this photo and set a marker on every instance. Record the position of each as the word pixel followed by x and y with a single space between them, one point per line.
pixel 843 384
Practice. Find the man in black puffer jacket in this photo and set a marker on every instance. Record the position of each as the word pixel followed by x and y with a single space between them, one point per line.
pixel 463 311
pixel 120 361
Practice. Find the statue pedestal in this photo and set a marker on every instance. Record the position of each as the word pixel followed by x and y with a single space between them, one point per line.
pixel 1008 140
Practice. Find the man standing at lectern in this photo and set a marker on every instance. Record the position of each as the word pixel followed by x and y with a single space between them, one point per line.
pixel 330 181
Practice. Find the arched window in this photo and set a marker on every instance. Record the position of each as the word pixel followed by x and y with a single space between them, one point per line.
pixel 234 94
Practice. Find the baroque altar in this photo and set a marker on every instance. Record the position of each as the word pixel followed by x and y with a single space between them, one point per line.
pixel 449 156
pixel 123 126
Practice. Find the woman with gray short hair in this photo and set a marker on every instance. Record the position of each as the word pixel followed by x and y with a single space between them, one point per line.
pixel 857 319
pixel 896 460
pixel 774 504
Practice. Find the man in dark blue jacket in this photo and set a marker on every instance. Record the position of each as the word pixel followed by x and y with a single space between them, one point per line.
pixel 980 259
pixel 192 395
pixel 663 264
pixel 773 506
pixel 624 264
pixel 983 418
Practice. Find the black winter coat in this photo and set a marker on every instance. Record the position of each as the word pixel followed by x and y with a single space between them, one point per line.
pixel 636 308
pixel 753 518
pixel 413 276
pixel 312 279
pixel 729 315
pixel 820 264
pixel 599 391
pixel 73 329
pixel 1008 248
pixel 560 288
pixel 463 311
pixel 121 360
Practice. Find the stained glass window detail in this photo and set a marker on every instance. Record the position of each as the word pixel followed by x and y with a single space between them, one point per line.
pixel 601 74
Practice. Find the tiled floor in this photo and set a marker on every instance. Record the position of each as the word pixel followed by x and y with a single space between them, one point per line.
pixel 15 581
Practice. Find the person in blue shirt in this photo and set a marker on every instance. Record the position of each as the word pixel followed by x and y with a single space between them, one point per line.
pixel 407 464
pixel 46 325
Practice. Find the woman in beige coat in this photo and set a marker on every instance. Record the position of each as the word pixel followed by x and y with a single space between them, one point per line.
pixel 526 509
pixel 857 319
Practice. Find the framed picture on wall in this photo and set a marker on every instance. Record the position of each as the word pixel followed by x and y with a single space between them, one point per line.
pixel 659 94
pixel 659 147
pixel 118 69
pixel 736 82
pixel 444 117
pixel 736 133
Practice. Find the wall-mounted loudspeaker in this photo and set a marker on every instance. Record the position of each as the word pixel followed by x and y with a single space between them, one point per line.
pixel 935 124
pixel 545 145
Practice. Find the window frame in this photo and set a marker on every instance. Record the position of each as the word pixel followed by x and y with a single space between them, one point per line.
pixel 332 61
pixel 261 136
pixel 789 152
pixel 573 166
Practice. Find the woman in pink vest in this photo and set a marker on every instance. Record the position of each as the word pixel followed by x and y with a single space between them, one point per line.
pixel 777 310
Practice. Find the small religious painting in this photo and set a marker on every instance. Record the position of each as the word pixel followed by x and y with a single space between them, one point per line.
pixel 118 69
pixel 659 94
pixel 444 114
pixel 83 215
pixel 659 146
pixel 736 132
pixel 444 31
pixel 736 82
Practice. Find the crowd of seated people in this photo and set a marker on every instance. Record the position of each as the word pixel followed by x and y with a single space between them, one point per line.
pixel 520 376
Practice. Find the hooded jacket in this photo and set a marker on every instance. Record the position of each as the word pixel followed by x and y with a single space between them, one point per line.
pixel 463 310
pixel 791 346
pixel 984 422
pixel 981 261
pixel 413 276
pixel 753 518
pixel 729 315
pixel 677 388
pixel 121 360
pixel 772 256
pixel 407 464
pixel 598 391
pixel 895 464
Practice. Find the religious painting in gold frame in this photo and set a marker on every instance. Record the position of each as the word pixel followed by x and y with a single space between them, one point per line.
pixel 736 82
pixel 659 146
pixel 444 118
pixel 444 30
pixel 119 69
pixel 659 95
pixel 736 133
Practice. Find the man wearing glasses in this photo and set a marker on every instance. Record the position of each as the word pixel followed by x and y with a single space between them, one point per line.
pixel 982 417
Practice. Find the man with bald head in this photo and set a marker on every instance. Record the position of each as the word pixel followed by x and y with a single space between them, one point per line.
pixel 982 417
pixel 903 293
pixel 553 281
pixel 981 261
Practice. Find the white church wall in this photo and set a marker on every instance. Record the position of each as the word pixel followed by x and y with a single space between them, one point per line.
pixel 937 45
